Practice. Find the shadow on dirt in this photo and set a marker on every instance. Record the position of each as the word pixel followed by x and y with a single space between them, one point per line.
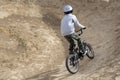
pixel 52 20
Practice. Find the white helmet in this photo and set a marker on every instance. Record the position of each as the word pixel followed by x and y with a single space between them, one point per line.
pixel 68 8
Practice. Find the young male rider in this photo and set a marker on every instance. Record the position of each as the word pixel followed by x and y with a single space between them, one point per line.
pixel 68 24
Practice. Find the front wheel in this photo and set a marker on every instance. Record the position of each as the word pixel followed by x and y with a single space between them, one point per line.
pixel 90 51
pixel 72 63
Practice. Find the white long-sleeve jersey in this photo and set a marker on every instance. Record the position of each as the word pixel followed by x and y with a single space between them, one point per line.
pixel 68 24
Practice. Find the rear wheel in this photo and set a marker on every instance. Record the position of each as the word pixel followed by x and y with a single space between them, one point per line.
pixel 90 51
pixel 72 63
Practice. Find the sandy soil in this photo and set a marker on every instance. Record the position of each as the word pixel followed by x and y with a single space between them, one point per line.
pixel 31 47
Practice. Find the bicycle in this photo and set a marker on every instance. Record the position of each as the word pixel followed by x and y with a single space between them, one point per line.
pixel 72 60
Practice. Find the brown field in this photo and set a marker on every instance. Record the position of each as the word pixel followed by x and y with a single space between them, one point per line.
pixel 32 48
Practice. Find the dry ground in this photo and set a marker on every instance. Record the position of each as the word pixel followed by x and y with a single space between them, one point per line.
pixel 31 47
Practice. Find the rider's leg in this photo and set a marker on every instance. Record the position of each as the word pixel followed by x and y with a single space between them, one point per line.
pixel 71 41
pixel 78 39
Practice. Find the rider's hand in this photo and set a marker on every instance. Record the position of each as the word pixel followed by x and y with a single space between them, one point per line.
pixel 84 28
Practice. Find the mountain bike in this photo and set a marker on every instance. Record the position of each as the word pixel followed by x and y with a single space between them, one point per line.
pixel 72 60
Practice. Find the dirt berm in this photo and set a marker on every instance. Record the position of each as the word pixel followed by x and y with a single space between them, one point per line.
pixel 32 48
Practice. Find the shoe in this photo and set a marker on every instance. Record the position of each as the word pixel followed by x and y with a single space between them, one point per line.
pixel 85 52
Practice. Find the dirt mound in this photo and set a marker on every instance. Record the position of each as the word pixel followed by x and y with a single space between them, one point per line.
pixel 31 47
pixel 27 44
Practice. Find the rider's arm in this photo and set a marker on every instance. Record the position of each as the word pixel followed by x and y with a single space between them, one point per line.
pixel 77 22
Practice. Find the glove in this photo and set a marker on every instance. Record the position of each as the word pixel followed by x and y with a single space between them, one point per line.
pixel 84 28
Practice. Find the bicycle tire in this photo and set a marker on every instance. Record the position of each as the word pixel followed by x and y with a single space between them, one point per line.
pixel 76 63
pixel 90 53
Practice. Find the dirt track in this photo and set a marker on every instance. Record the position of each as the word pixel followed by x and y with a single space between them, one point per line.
pixel 31 47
